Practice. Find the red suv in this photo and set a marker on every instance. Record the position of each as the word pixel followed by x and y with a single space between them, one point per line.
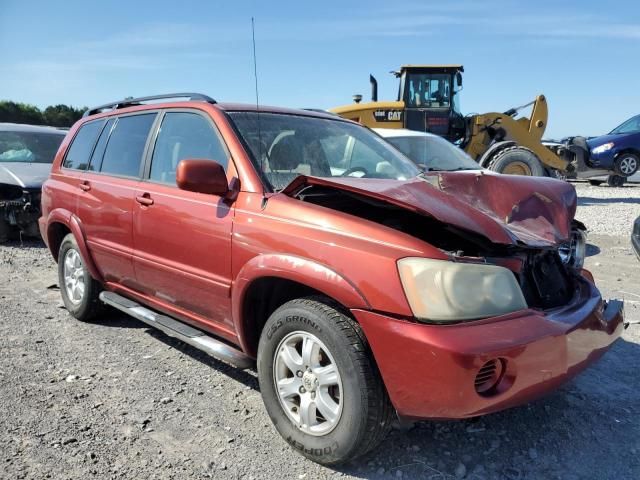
pixel 363 287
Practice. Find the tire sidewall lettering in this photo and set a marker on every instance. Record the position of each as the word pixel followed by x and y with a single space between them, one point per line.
pixel 317 452
pixel 290 319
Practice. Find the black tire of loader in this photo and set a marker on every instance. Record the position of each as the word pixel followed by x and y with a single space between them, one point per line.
pixel 517 155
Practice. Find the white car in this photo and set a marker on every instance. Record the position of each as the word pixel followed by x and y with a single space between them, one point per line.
pixel 430 152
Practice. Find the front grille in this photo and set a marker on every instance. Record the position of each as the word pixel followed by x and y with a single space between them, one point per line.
pixel 545 280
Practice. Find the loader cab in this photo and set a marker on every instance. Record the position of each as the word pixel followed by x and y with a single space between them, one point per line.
pixel 431 97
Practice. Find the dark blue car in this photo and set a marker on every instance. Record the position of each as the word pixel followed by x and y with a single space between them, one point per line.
pixel 619 150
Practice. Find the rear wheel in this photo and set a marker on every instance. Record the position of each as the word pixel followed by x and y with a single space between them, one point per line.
pixel 615 180
pixel 79 290
pixel 595 183
pixel 319 382
pixel 517 161
pixel 627 164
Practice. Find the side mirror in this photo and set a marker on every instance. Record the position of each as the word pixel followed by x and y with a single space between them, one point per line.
pixel 202 176
pixel 458 81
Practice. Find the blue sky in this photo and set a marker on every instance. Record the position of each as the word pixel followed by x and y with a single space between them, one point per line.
pixel 582 55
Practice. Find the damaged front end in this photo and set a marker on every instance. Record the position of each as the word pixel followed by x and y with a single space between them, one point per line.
pixel 524 225
pixel 502 314
pixel 19 212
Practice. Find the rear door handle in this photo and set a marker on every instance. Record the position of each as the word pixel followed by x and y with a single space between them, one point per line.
pixel 144 199
pixel 85 186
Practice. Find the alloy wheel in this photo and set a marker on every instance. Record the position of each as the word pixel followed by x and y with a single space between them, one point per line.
pixel 628 165
pixel 308 383
pixel 73 272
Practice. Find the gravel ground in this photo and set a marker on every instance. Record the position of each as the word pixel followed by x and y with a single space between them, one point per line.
pixel 606 210
pixel 114 399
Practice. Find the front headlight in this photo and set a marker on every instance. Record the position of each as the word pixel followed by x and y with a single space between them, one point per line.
pixel 574 252
pixel 445 291
pixel 605 147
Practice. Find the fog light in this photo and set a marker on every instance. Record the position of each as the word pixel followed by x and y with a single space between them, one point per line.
pixel 489 376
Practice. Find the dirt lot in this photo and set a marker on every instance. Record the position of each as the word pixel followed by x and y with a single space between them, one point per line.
pixel 114 399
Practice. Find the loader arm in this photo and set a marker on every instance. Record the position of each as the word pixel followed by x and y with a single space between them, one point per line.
pixel 538 120
pixel 524 131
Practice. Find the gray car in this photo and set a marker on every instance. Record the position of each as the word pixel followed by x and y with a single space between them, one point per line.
pixel 26 155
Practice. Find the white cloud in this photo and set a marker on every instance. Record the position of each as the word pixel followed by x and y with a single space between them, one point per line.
pixel 151 47
pixel 474 18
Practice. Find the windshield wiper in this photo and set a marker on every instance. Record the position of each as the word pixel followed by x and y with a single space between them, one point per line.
pixel 431 169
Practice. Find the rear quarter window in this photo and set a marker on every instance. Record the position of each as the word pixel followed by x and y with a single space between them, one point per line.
pixel 82 145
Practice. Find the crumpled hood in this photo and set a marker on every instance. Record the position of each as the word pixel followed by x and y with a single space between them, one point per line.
pixel 506 209
pixel 25 175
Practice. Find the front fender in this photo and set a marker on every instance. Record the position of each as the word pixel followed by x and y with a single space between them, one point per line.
pixel 297 269
pixel 72 222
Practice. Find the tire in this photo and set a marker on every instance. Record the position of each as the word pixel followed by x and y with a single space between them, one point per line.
pixel 78 289
pixel 595 183
pixel 615 180
pixel 361 408
pixel 517 161
pixel 626 164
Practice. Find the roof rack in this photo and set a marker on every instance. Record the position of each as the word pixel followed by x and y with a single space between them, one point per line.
pixel 129 102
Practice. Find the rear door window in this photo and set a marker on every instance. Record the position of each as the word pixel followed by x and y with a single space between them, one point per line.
pixel 184 135
pixel 126 144
pixel 82 145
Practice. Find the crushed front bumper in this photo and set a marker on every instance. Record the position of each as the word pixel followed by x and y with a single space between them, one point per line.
pixel 20 215
pixel 431 371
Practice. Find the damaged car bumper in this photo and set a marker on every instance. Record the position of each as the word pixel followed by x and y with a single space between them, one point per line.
pixel 491 364
pixel 20 215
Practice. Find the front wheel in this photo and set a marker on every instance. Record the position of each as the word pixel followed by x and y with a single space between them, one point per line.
pixel 626 164
pixel 319 382
pixel 517 161
pixel 595 183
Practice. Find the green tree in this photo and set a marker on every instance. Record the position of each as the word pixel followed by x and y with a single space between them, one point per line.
pixel 62 115
pixel 20 113
pixel 54 115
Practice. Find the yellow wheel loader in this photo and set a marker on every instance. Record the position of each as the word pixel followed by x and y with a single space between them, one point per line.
pixel 428 101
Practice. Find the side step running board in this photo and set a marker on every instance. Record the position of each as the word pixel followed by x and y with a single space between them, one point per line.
pixel 174 328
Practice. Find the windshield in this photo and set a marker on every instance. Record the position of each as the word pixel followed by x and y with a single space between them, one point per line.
pixel 630 126
pixel 284 146
pixel 433 153
pixel 431 90
pixel 29 147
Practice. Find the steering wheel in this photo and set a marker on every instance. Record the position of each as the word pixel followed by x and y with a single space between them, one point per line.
pixel 351 170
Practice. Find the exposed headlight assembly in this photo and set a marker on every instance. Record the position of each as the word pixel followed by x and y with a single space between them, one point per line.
pixel 605 147
pixel 573 252
pixel 444 291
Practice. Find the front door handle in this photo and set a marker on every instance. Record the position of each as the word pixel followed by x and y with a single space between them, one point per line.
pixel 85 186
pixel 144 199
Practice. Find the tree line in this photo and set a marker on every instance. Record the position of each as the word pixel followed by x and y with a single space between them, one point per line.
pixel 53 115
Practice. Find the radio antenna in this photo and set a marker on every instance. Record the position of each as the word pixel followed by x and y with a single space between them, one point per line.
pixel 255 63
pixel 255 75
